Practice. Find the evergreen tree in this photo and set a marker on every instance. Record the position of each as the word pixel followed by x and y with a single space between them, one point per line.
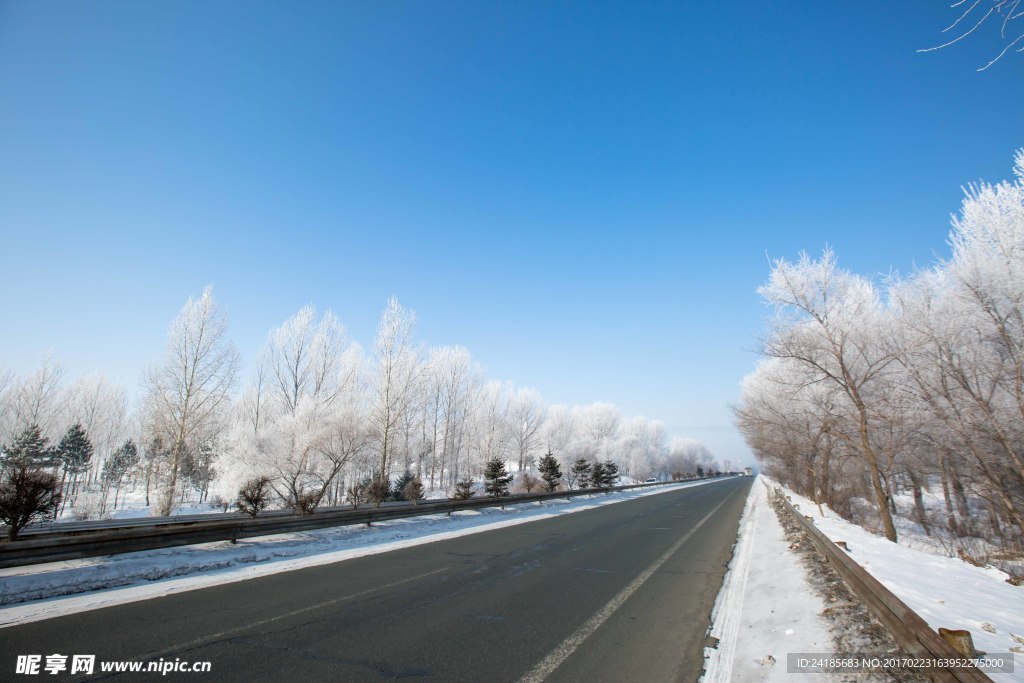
pixel 118 465
pixel 550 471
pixel 700 472
pixel 196 468
pixel 463 490
pixel 30 448
pixel 598 476
pixel 496 478
pixel 580 473
pixel 611 474
pixel 72 456
pixel 398 490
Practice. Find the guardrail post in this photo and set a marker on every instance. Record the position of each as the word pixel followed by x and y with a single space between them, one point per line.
pixel 961 640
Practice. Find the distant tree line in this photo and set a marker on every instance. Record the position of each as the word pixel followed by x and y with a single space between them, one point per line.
pixel 320 421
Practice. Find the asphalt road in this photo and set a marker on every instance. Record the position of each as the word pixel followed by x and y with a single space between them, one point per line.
pixel 619 593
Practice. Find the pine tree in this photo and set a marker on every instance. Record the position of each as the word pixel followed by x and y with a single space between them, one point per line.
pixel 611 474
pixel 72 456
pixel 116 468
pixel 496 478
pixel 30 448
pixel 196 468
pixel 550 471
pixel 463 490
pixel 598 476
pixel 398 490
pixel 580 472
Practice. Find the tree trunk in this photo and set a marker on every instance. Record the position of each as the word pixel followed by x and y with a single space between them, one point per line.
pixel 922 517
pixel 950 516
pixel 881 499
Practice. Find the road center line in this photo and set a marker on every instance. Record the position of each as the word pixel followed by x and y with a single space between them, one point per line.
pixel 556 657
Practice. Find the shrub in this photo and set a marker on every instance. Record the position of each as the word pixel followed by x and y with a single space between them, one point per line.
pixel 25 495
pixel 355 495
pixel 307 501
pixel 378 491
pixel 254 496
pixel 413 491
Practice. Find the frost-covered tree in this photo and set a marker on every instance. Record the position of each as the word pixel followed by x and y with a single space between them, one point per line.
pixel 451 382
pixel 525 419
pixel 101 407
pixel 396 374
pixel 829 321
pixel 190 390
pixel 490 423
pixel 35 399
pixel 863 394
pixel 302 419
pixel 997 17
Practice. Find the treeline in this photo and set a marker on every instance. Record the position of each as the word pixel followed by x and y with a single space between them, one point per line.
pixel 915 384
pixel 318 416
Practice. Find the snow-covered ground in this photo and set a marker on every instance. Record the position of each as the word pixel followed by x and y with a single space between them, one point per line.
pixel 766 608
pixel 36 592
pixel 947 592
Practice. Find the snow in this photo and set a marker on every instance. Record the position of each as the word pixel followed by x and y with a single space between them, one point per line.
pixel 766 608
pixel 35 592
pixel 947 592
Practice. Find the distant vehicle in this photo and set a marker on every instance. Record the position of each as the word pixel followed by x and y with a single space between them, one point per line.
pixel 747 471
pixel 652 480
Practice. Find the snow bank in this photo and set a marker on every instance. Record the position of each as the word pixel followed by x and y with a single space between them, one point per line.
pixel 945 591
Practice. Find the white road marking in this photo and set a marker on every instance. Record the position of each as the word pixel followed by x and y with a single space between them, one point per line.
pixel 729 607
pixel 556 657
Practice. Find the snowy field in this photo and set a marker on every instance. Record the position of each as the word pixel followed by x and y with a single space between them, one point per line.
pixel 766 608
pixel 43 591
pixel 947 592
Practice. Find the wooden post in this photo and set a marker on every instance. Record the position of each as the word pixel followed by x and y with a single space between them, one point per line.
pixel 961 641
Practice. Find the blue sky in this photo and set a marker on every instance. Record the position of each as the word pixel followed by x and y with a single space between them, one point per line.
pixel 583 194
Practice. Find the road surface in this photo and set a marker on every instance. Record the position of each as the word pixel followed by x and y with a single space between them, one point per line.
pixel 619 593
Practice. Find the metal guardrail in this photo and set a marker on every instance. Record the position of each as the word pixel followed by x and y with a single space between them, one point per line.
pixel 907 627
pixel 51 546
